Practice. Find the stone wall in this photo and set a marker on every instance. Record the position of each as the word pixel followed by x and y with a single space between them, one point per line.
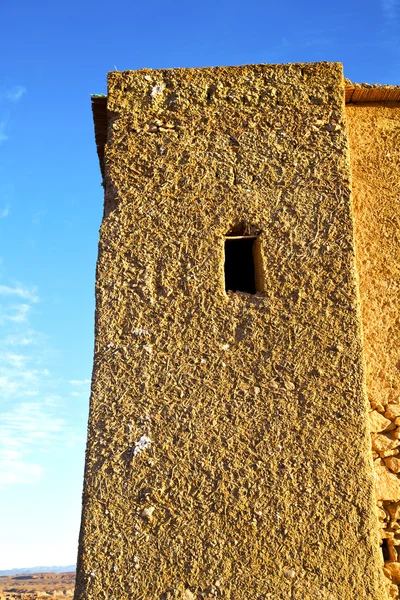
pixel 374 133
pixel 228 452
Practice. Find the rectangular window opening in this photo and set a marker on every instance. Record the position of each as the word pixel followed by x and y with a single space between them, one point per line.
pixel 385 550
pixel 242 264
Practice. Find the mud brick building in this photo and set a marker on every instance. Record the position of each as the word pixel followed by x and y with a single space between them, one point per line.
pixel 247 339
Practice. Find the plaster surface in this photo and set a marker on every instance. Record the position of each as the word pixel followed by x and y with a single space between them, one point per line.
pixel 228 452
pixel 374 135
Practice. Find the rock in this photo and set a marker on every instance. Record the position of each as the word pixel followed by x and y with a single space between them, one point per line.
pixel 378 422
pixel 393 452
pixel 393 591
pixel 381 443
pixel 147 513
pixel 331 127
pixel 393 568
pixel 378 405
pixel 393 464
pixel 388 535
pixel 392 411
pixel 381 514
pixel 289 573
pixel 386 573
pixel 387 485
pixel 394 511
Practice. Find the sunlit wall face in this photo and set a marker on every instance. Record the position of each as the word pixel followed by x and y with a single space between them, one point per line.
pixel 228 446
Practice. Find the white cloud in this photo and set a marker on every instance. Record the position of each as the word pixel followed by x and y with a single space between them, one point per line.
pixel 21 313
pixel 17 361
pixel 74 439
pixel 14 314
pixel 24 376
pixel 32 402
pixel 80 388
pixel 15 93
pixel 28 418
pixel 4 212
pixel 21 374
pixel 25 338
pixel 23 428
pixel 78 382
pixel 19 383
pixel 3 135
pixel 37 217
pixel 19 290
pixel 15 470
pixel 389 9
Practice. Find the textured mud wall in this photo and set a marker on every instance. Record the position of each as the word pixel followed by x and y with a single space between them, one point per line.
pixel 228 454
pixel 374 133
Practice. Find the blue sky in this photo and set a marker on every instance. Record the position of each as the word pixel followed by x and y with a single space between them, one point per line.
pixel 53 56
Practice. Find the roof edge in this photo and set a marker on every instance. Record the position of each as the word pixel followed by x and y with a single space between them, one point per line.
pixel 99 109
pixel 360 93
pixel 355 93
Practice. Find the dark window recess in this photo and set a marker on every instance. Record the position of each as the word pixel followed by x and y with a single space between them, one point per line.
pixel 385 549
pixel 239 264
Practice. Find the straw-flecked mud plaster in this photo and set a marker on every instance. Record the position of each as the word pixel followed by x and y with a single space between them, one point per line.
pixel 374 135
pixel 228 454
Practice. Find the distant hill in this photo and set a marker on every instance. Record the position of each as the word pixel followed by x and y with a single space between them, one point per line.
pixel 32 570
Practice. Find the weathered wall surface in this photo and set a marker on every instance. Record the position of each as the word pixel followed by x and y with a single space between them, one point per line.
pixel 228 453
pixel 374 133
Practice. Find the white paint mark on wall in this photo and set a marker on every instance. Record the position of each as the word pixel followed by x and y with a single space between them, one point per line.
pixel 140 331
pixel 143 443
pixel 157 89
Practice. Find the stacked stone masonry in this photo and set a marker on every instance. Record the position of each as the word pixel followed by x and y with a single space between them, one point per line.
pixel 229 452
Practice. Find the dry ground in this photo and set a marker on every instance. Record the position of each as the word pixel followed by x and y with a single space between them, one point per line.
pixel 39 585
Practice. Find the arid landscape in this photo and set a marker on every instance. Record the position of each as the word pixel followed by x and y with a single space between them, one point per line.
pixel 37 585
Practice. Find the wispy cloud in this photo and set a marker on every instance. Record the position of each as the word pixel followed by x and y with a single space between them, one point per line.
pixel 15 93
pixel 32 399
pixel 9 95
pixel 37 217
pixel 4 212
pixel 17 313
pixel 79 382
pixel 14 314
pixel 26 417
pixel 28 422
pixel 14 469
pixel 20 376
pixel 3 135
pixel 20 373
pixel 24 338
pixel 80 388
pixel 24 428
pixel 27 293
pixel 390 9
